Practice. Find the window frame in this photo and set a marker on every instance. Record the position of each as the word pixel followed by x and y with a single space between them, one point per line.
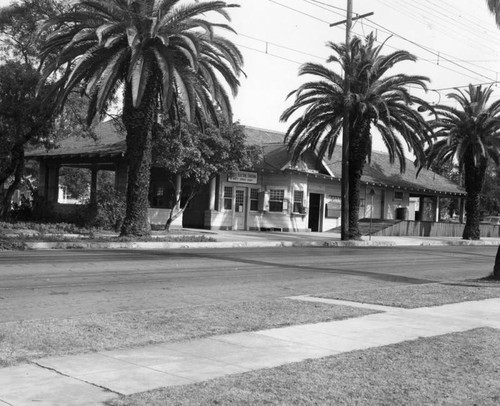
pixel 254 199
pixel 274 203
pixel 227 197
pixel 298 199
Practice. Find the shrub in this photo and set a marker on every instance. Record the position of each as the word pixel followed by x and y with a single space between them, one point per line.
pixel 109 211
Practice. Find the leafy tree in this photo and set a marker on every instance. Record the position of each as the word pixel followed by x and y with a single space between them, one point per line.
pixel 19 26
pixel 490 196
pixel 376 100
pixel 163 54
pixel 77 181
pixel 24 118
pixel 198 154
pixel 470 135
pixel 27 119
pixel 494 6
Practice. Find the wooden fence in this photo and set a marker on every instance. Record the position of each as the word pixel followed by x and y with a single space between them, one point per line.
pixel 430 229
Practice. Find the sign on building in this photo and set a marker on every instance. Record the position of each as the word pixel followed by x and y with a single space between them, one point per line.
pixel 243 177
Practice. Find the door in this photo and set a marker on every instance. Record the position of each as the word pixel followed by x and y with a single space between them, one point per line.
pixel 314 212
pixel 240 209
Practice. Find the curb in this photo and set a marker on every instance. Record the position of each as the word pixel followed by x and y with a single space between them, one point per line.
pixel 243 244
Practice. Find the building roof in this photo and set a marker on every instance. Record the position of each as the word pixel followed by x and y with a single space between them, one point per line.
pixel 379 172
pixel 109 142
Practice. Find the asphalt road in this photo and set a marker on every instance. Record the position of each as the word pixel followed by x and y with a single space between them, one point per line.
pixel 60 284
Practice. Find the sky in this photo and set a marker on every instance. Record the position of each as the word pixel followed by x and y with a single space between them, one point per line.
pixel 456 42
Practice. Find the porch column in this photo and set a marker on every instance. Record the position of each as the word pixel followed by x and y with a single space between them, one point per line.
pixel 461 214
pixel 44 181
pixel 178 190
pixel 438 212
pixel 211 205
pixel 383 198
pixel 52 182
pixel 93 186
pixel 121 177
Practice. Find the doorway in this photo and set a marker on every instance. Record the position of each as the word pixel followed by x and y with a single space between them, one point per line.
pixel 240 209
pixel 315 211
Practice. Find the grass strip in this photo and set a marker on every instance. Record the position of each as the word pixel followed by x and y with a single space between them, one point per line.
pixel 27 340
pixel 413 296
pixel 454 369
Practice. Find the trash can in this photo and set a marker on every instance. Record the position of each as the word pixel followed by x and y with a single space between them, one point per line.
pixel 402 213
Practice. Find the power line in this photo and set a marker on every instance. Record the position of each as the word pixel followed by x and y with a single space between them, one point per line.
pixel 436 53
pixel 280 46
pixel 443 19
pixel 301 12
pixel 271 54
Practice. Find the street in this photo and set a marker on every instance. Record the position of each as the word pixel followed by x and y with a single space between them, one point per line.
pixel 61 284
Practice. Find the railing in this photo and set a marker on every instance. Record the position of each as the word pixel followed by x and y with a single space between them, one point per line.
pixel 431 229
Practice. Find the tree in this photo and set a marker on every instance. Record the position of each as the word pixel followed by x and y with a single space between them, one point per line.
pixel 494 6
pixel 198 154
pixel 24 118
pixel 490 196
pixel 376 100
pixel 470 135
pixel 163 54
pixel 27 119
pixel 19 24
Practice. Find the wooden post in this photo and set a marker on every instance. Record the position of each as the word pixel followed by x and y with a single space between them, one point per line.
pixel 344 235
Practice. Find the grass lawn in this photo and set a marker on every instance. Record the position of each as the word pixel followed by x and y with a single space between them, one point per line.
pixel 23 341
pixel 414 296
pixel 454 369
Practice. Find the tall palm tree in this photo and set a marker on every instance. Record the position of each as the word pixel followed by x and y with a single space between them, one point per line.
pixel 162 53
pixel 376 101
pixel 471 136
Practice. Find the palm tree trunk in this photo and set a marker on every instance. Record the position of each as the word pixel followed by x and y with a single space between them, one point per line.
pixel 357 157
pixel 496 268
pixel 474 179
pixel 139 123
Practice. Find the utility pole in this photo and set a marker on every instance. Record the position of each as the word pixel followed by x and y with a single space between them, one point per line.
pixel 344 192
pixel 344 212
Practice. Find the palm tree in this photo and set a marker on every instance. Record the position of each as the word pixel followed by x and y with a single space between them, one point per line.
pixel 471 136
pixel 164 54
pixel 375 101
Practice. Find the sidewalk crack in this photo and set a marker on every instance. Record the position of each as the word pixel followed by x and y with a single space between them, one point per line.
pixel 76 379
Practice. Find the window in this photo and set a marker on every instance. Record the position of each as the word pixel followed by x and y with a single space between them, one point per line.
pixel 239 201
pixel 276 197
pixel 228 198
pixel 398 195
pixel 254 199
pixel 298 201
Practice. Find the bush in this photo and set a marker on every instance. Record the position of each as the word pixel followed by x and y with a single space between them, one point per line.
pixel 22 211
pixel 109 211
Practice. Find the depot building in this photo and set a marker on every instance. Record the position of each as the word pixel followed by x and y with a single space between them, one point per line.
pixel 273 195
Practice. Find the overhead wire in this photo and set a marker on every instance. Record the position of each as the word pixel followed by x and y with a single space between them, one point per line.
pixel 382 28
pixel 427 49
pixel 447 25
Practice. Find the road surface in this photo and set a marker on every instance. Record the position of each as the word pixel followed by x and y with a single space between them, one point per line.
pixel 61 284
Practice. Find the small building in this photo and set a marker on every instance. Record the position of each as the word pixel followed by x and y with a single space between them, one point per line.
pixel 274 195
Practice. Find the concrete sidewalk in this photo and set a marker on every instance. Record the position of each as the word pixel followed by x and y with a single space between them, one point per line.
pixel 91 379
pixel 255 239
